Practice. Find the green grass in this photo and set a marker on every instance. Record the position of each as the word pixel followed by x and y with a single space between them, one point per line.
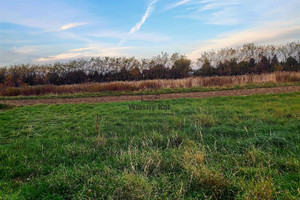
pixel 5 107
pixel 215 148
pixel 151 91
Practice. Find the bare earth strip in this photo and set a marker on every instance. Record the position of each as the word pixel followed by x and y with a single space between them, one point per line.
pixel 243 92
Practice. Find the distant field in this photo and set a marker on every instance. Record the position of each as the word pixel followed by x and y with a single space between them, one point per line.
pixel 162 86
pixel 215 148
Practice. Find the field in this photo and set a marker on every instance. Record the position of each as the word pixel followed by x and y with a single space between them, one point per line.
pixel 214 148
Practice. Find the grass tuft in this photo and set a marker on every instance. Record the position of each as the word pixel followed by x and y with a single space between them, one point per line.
pixel 205 120
pixel 262 189
pixel 133 186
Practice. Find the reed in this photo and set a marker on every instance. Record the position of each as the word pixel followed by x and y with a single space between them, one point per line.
pixel 216 81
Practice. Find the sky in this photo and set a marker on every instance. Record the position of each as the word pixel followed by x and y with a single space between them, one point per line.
pixel 48 31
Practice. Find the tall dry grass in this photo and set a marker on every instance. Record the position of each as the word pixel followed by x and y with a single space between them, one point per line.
pixel 217 81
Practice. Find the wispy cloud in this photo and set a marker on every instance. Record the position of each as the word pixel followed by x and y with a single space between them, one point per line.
pixel 80 49
pixel 265 34
pixel 215 4
pixel 25 49
pixel 143 20
pixel 138 26
pixel 177 4
pixel 71 25
pixel 94 50
pixel 253 21
pixel 229 12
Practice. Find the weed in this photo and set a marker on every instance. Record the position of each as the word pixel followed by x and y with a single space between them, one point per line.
pixel 5 107
pixel 205 120
pixel 263 189
pixel 133 186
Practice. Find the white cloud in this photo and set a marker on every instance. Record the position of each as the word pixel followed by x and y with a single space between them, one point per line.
pixel 71 25
pixel 26 49
pixel 177 4
pixel 86 52
pixel 237 12
pixel 146 15
pixel 215 4
pixel 138 26
pixel 265 34
pixel 229 12
pixel 80 49
pixel 261 22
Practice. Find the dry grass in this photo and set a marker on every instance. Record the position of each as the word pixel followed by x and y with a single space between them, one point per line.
pixel 205 120
pixel 263 189
pixel 201 176
pixel 133 186
pixel 217 81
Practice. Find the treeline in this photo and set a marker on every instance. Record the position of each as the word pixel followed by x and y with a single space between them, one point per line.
pixel 250 58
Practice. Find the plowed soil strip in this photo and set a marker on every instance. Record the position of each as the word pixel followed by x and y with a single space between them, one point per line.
pixel 243 92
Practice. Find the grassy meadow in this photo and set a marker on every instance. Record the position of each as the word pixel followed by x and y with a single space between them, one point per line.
pixel 215 148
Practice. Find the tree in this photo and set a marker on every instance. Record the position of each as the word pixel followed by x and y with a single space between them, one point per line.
pixel 181 68
pixel 252 66
pixel 9 81
pixel 135 73
pixel 244 67
pixel 207 69
pixel 75 77
pixel 2 75
pixel 234 67
pixel 291 64
pixel 221 68
pixel 264 65
pixel 159 71
pixel 274 63
pixel 124 74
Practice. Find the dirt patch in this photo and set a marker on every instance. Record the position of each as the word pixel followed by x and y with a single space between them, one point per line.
pixel 243 92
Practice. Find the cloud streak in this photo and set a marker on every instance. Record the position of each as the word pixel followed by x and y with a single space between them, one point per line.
pixel 177 4
pixel 138 26
pixel 86 52
pixel 71 25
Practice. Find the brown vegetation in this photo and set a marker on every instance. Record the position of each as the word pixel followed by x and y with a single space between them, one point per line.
pixel 217 81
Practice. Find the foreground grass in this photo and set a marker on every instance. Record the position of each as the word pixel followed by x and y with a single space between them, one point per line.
pixel 152 91
pixel 5 107
pixel 216 148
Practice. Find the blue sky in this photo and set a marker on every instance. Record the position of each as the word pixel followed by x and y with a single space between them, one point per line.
pixel 47 31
